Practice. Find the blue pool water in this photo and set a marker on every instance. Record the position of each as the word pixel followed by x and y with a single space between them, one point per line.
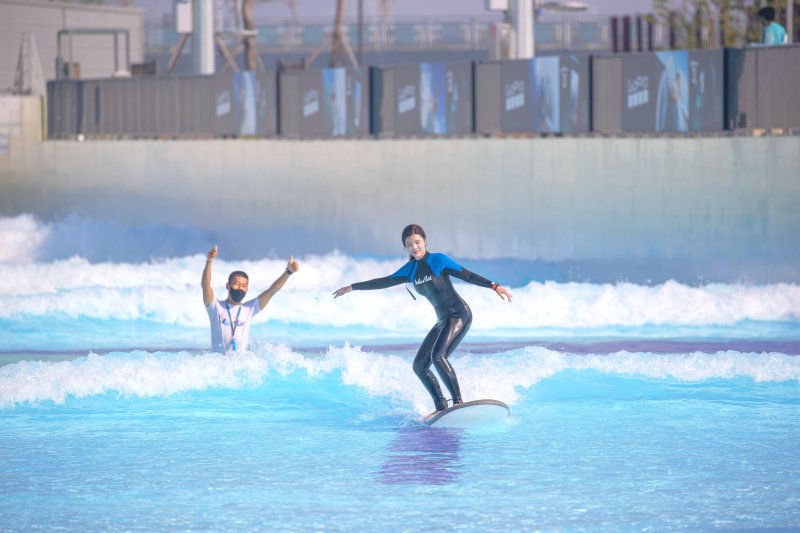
pixel 634 407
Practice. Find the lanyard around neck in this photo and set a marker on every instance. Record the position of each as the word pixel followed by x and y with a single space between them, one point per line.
pixel 232 323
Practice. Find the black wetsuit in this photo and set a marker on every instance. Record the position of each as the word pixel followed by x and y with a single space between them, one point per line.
pixel 431 278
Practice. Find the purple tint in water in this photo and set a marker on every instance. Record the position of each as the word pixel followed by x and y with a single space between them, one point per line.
pixel 595 346
pixel 667 346
pixel 422 456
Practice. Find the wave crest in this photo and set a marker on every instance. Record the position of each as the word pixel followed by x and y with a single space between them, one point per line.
pixel 503 376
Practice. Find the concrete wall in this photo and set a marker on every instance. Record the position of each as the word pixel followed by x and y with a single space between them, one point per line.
pixel 652 208
pixel 44 19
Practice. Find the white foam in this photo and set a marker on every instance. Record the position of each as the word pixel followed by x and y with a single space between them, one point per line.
pixel 502 376
pixel 137 374
pixel 695 367
pixel 584 305
pixel 168 291
pixel 20 238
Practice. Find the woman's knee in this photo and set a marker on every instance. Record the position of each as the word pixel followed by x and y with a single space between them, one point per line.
pixel 421 367
pixel 440 361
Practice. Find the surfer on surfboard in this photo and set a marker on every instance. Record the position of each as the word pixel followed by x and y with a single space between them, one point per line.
pixel 430 273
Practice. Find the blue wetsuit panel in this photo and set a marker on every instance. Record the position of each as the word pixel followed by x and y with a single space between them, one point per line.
pixel 439 262
pixel 406 271
pixel 431 278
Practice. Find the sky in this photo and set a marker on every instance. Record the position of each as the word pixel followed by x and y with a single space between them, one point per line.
pixel 314 9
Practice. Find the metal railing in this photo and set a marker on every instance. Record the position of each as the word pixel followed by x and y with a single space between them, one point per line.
pixel 428 34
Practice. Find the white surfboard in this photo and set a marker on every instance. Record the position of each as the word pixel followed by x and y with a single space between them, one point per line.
pixel 469 414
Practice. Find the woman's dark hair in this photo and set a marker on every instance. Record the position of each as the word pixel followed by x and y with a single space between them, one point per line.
pixel 767 13
pixel 412 229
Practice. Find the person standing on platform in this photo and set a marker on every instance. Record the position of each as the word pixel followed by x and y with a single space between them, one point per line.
pixel 772 33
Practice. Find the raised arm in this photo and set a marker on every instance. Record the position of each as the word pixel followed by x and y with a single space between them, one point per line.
pixel 205 281
pixel 291 267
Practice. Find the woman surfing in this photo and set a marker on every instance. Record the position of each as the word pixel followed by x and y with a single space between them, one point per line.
pixel 430 273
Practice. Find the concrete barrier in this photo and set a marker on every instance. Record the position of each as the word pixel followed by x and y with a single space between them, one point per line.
pixel 652 208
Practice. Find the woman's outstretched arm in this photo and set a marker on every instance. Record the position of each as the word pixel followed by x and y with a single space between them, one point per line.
pixel 477 279
pixel 371 285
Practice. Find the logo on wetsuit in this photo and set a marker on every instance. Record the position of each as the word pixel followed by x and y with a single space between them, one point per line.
pixel 425 279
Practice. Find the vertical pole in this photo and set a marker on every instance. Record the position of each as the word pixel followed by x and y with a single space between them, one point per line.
pixel 639 36
pixel 360 32
pixel 338 31
pixel 698 25
pixel 614 35
pixel 673 39
pixel 723 23
pixel 790 21
pixel 59 58
pixel 116 52
pixel 128 50
pixel 521 14
pixel 626 34
pixel 203 37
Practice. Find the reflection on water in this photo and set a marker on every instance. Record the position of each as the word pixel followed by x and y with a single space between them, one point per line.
pixel 422 455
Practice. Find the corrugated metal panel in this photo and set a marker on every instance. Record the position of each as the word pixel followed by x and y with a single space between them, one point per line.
pixel 546 95
pixel 290 101
pixel 606 105
pixel 740 88
pixel 778 80
pixel 488 95
pixel 382 101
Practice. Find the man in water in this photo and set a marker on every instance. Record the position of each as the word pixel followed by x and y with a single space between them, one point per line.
pixel 230 318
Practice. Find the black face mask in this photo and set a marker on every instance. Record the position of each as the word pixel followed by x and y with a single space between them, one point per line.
pixel 237 295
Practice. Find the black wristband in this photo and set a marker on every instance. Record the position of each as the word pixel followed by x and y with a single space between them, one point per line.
pixel 289 272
